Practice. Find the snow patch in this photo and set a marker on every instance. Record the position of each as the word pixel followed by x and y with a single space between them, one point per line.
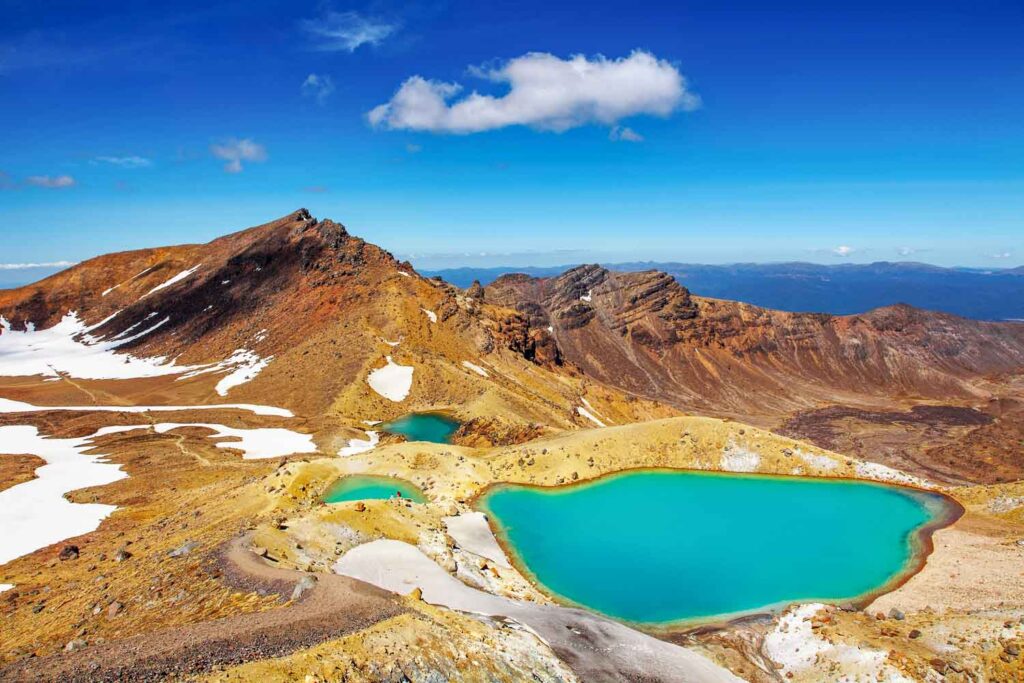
pixel 471 531
pixel 249 364
pixel 430 314
pixel 591 408
pixel 174 280
pixel 392 381
pixel 357 446
pixel 67 348
pixel 9 406
pixel 6 587
pixel 583 412
pixel 475 368
pixel 134 277
pixel 588 297
pixel 256 443
pixel 36 514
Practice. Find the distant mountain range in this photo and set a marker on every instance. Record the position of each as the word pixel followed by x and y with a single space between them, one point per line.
pixel 996 294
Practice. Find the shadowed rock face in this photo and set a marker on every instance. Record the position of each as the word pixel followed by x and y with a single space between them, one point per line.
pixel 645 333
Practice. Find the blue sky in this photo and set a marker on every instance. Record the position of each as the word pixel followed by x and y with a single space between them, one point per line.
pixel 700 131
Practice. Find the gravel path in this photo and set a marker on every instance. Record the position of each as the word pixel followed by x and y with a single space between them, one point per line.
pixel 332 607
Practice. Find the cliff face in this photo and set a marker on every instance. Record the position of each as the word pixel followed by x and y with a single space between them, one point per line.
pixel 645 333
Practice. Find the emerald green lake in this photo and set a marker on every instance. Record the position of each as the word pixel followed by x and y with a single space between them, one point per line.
pixel 661 546
pixel 360 487
pixel 435 427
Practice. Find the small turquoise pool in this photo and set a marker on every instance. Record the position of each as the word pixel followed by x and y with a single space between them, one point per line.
pixel 364 487
pixel 660 546
pixel 434 427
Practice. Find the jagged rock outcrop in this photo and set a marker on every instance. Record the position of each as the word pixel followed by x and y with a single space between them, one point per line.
pixel 645 333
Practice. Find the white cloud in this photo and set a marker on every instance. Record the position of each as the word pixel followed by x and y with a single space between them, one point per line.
pixel 413 148
pixel 624 134
pixel 1001 255
pixel 843 250
pixel 25 266
pixel 125 162
pixel 545 92
pixel 318 87
pixel 336 31
pixel 234 152
pixel 52 182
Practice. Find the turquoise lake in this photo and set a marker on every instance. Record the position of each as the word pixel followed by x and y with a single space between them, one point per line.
pixel 360 487
pixel 435 427
pixel 660 546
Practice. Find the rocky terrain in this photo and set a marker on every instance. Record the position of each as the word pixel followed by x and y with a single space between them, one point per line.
pixel 647 335
pixel 196 402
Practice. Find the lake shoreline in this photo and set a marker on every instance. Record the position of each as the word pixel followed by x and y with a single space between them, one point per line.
pixel 943 509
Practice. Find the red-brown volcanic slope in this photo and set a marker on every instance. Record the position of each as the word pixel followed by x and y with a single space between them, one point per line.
pixel 324 304
pixel 645 333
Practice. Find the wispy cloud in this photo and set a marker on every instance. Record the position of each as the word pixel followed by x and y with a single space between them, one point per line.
pixel 318 87
pixel 235 151
pixel 545 93
pixel 624 134
pixel 1001 255
pixel 26 266
pixel 346 31
pixel 413 148
pixel 131 161
pixel 58 182
pixel 843 250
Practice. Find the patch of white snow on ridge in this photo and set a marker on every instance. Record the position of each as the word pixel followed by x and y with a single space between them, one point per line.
pixel 256 443
pixel 794 645
pixel 471 531
pixel 591 409
pixel 588 297
pixel 357 446
pixel 400 567
pixel 392 343
pixel 475 368
pixel 36 514
pixel 404 274
pixel 392 381
pixel 590 416
pixel 67 348
pixel 134 277
pixel 9 406
pixel 737 459
pixel 6 587
pixel 174 280
pixel 430 314
pixel 248 365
